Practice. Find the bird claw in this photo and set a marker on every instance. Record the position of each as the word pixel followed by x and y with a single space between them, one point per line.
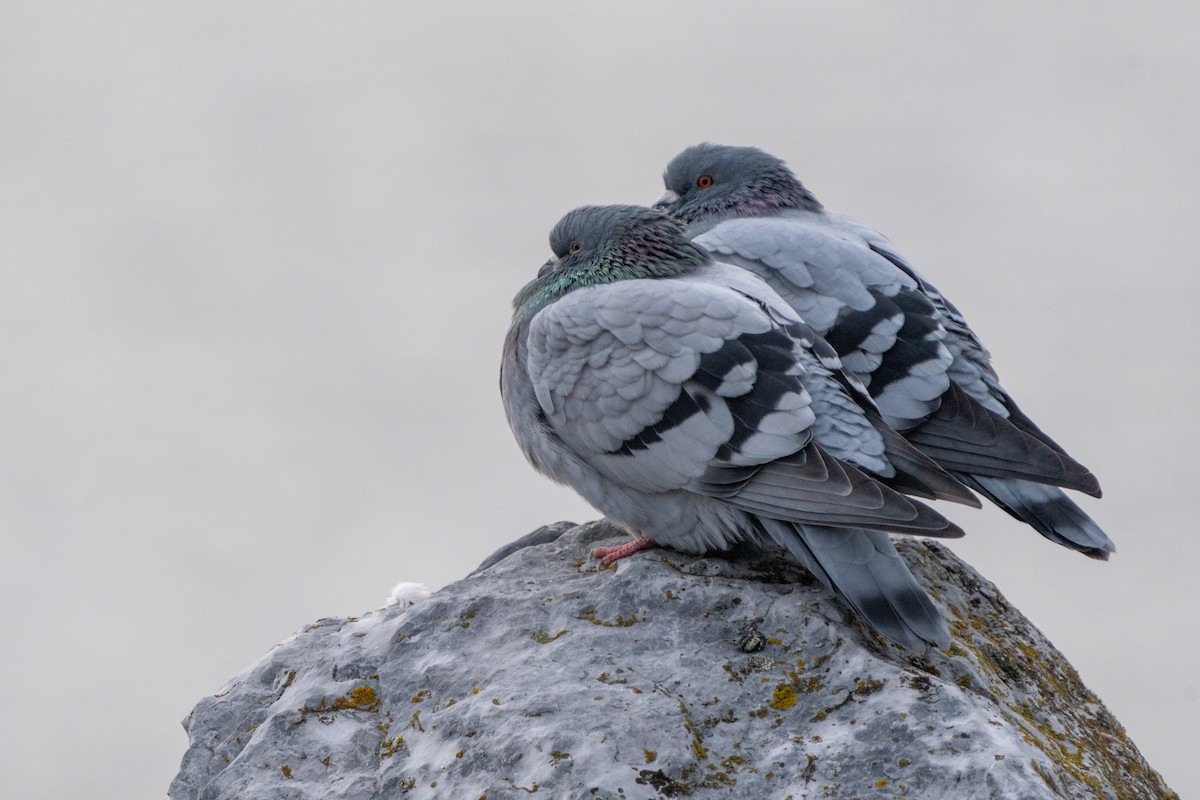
pixel 610 555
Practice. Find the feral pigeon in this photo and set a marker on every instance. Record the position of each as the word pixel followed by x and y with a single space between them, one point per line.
pixel 926 369
pixel 689 403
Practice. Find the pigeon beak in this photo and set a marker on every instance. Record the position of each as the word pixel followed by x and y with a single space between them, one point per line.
pixel 549 265
pixel 667 200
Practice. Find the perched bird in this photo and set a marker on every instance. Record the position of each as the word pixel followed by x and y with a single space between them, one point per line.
pixel 687 402
pixel 926 369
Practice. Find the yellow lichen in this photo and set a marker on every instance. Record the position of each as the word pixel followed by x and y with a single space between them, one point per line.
pixel 613 680
pixel 698 748
pixel 589 614
pixel 363 696
pixel 783 698
pixel 360 698
pixel 809 685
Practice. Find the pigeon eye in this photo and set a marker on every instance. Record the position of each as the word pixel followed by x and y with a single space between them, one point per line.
pixel 576 247
pixel 704 181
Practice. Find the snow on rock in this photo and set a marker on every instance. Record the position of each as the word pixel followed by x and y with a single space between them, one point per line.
pixel 668 676
pixel 406 594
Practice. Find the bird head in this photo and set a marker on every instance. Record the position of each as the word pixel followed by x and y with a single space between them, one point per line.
pixel 594 245
pixel 707 183
pixel 618 242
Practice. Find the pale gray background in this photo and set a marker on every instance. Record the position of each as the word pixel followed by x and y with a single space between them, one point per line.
pixel 256 269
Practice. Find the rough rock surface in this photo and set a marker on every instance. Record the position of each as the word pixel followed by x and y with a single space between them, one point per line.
pixel 669 676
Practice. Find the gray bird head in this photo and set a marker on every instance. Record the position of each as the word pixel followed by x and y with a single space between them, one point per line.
pixel 594 245
pixel 618 238
pixel 712 182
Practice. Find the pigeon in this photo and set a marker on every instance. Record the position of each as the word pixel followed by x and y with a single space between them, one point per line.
pixel 928 372
pixel 692 406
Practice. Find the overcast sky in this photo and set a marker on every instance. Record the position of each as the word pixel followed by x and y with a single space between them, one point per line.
pixel 255 268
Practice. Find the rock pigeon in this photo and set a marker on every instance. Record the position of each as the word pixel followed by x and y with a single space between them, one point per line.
pixel 926 369
pixel 686 401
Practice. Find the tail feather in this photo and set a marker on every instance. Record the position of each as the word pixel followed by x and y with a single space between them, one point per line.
pixel 916 473
pixel 1047 510
pixel 963 436
pixel 864 569
pixel 919 475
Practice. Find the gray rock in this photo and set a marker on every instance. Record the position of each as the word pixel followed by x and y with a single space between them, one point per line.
pixel 669 676
pixel 543 535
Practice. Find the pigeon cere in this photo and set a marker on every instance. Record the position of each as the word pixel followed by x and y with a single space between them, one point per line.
pixel 737 364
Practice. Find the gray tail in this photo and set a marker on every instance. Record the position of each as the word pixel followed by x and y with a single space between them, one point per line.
pixel 1047 510
pixel 864 569
pixel 963 436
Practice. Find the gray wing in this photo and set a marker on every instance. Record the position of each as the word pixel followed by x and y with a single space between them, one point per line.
pixel 669 385
pixel 886 331
pixel 972 368
pixel 848 422
pixel 927 371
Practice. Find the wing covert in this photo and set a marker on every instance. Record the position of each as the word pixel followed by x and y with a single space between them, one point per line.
pixel 651 381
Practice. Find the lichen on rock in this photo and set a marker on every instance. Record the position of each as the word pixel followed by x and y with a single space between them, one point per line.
pixel 542 674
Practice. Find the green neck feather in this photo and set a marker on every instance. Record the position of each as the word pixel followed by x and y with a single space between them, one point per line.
pixel 604 268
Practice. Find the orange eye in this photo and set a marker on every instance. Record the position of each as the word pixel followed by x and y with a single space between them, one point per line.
pixel 704 181
pixel 576 247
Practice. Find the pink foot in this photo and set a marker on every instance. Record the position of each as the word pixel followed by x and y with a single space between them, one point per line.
pixel 610 555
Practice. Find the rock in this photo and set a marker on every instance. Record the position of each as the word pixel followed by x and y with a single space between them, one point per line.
pixel 543 535
pixel 669 676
